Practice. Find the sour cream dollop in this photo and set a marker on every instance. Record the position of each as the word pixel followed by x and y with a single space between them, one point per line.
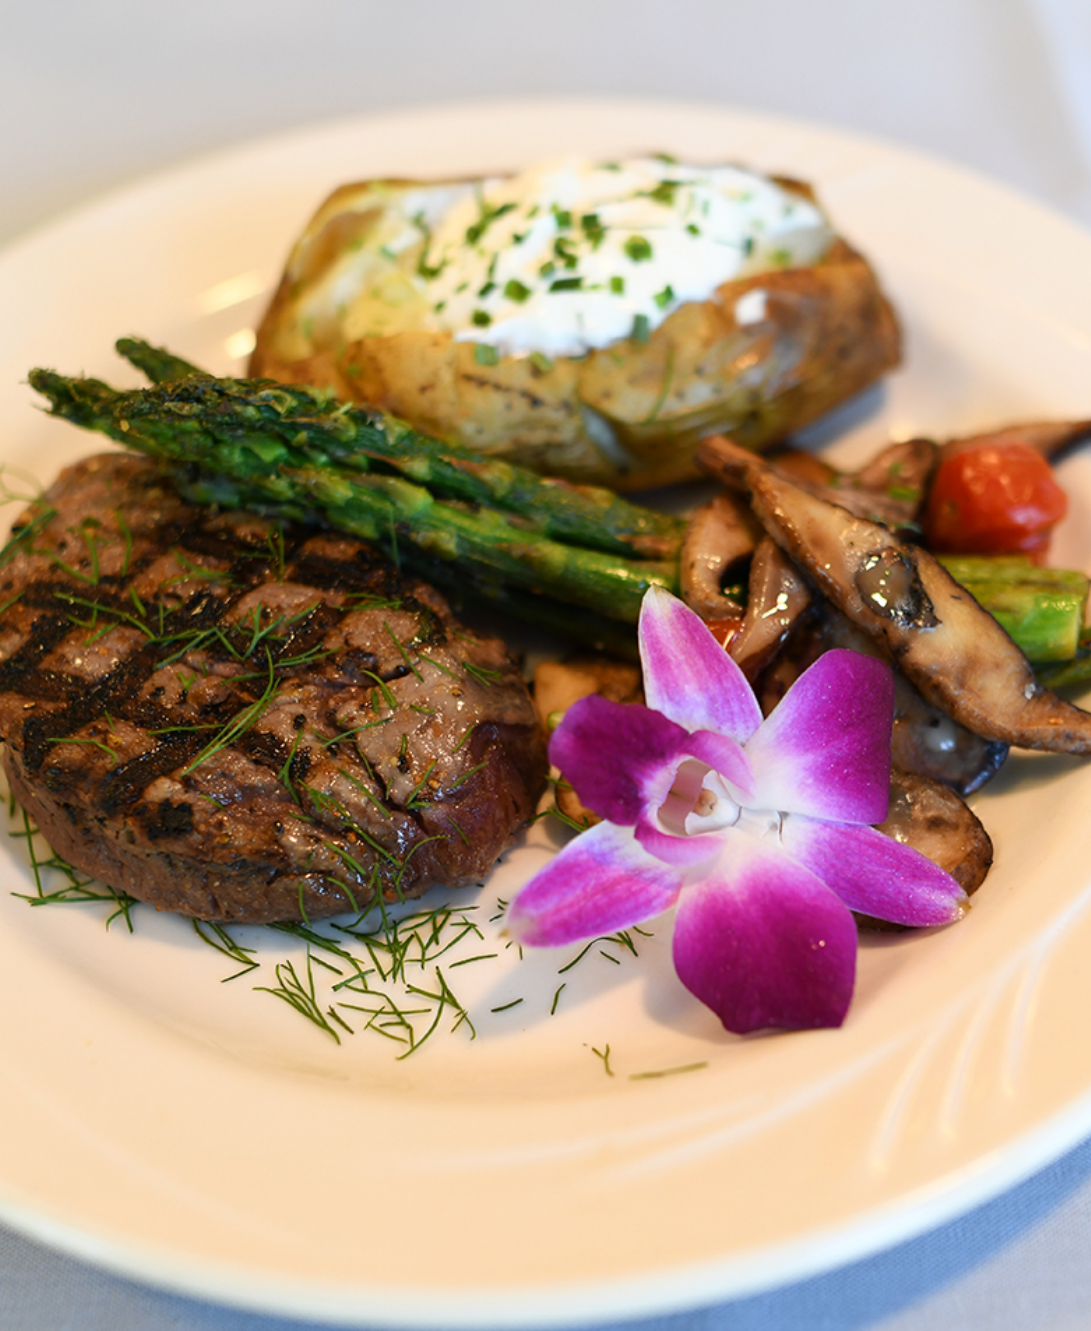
pixel 574 255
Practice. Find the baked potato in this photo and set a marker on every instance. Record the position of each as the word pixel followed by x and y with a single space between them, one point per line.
pixel 800 326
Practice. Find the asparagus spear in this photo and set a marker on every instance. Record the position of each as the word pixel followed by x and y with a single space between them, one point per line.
pixel 160 365
pixel 459 586
pixel 297 452
pixel 585 515
pixel 1069 674
pixel 183 424
pixel 1041 608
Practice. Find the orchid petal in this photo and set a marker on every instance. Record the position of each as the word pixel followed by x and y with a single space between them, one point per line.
pixel 687 674
pixel 620 759
pixel 825 749
pixel 600 882
pixel 724 755
pixel 681 851
pixel 763 942
pixel 874 874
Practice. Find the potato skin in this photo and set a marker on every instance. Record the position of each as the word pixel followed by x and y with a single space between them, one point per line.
pixel 628 415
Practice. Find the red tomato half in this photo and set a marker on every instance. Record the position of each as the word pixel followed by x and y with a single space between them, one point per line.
pixel 993 499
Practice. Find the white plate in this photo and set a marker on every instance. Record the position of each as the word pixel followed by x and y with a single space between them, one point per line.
pixel 202 1136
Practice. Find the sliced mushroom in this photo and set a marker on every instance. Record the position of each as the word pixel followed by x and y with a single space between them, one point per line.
pixel 925 740
pixel 720 533
pixel 934 820
pixel 1050 438
pixel 778 596
pixel 889 489
pixel 953 650
pixel 895 481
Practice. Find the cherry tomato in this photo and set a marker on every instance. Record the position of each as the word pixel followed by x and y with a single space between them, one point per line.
pixel 993 499
pixel 723 630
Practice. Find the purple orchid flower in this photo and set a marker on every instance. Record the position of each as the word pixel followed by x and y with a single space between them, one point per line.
pixel 759 829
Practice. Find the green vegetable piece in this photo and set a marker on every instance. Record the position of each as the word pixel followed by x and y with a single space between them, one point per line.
pixel 159 364
pixel 293 450
pixel 1041 608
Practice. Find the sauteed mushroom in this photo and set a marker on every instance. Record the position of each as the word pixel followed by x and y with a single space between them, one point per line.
pixel 720 533
pixel 1050 438
pixel 778 596
pixel 888 489
pixel 925 741
pixel 934 820
pixel 953 650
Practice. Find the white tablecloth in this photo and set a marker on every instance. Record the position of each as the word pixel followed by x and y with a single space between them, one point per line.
pixel 92 96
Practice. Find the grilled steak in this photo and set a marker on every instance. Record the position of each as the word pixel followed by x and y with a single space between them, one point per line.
pixel 245 723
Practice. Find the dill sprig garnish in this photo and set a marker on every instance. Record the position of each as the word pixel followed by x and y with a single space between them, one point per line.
pixel 667 1072
pixel 622 939
pixel 299 995
pixel 241 722
pixel 216 936
pixel 74 886
pixel 384 971
pixel 604 1054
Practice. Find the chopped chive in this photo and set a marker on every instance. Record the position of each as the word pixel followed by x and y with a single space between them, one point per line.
pixel 641 328
pixel 664 192
pixel 485 355
pixel 562 249
pixel 515 290
pixel 481 318
pixel 488 216
pixel 593 229
pixel 638 249
pixel 540 362
pixel 663 298
pixel 566 284
pixel 617 286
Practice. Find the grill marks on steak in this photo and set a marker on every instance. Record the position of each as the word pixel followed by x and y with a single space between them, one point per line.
pixel 246 724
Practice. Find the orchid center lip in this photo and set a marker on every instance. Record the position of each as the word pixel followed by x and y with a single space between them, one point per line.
pixel 698 802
